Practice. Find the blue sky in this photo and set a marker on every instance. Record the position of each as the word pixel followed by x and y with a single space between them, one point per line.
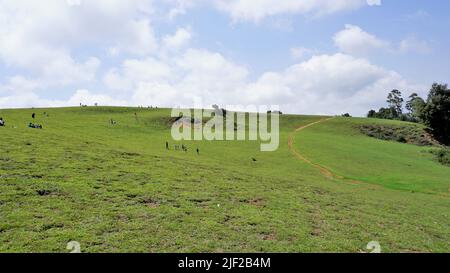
pixel 312 57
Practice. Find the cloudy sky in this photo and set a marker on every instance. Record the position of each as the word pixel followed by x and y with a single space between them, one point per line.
pixel 307 56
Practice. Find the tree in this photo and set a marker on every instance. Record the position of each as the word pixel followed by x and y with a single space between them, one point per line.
pixel 415 106
pixel 387 113
pixel 436 112
pixel 383 113
pixel 372 114
pixel 409 103
pixel 395 102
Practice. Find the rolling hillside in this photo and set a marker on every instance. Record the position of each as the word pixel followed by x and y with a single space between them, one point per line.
pixel 115 188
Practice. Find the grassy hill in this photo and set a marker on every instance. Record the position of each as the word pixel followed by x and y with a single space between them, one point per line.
pixel 115 188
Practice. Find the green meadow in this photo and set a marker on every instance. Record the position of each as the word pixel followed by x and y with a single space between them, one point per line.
pixel 115 188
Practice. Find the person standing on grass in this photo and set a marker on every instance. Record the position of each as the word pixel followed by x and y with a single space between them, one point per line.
pixel 167 145
pixel 2 122
pixel 198 151
pixel 33 115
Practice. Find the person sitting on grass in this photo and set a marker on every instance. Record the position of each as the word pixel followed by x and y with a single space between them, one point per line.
pixel 34 126
pixel 2 122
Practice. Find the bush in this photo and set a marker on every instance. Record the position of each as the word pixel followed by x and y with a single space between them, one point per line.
pixel 411 134
pixel 401 139
pixel 443 156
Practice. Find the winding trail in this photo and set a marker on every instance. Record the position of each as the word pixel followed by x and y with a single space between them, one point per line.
pixel 325 171
pixel 329 173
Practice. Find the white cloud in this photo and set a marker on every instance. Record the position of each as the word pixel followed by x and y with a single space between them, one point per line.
pixel 374 2
pixel 18 84
pixel 414 45
pixel 193 73
pixel 417 15
pixel 87 98
pixel 134 71
pixel 179 40
pixel 63 71
pixel 210 76
pixel 301 52
pixel 40 36
pixel 353 40
pixel 203 63
pixel 29 99
pixel 179 7
pixel 326 84
pixel 140 38
pixel 323 84
pixel 25 100
pixel 66 71
pixel 43 40
pixel 155 93
pixel 250 10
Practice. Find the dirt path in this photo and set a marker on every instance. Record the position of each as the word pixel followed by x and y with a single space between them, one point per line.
pixel 325 171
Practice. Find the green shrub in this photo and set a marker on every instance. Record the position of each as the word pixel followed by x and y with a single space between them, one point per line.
pixel 443 156
pixel 404 134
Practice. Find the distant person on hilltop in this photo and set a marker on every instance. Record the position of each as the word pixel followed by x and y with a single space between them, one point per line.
pixel 2 122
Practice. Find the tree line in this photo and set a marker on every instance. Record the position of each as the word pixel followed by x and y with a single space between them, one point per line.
pixel 434 112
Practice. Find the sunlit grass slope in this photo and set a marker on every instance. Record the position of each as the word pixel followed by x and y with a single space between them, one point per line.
pixel 339 145
pixel 117 189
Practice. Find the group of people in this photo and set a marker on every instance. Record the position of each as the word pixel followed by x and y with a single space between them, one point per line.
pixel 31 125
pixel 183 148
pixel 34 126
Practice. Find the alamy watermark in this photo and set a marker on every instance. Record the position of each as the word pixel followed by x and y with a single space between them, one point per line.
pixel 250 123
